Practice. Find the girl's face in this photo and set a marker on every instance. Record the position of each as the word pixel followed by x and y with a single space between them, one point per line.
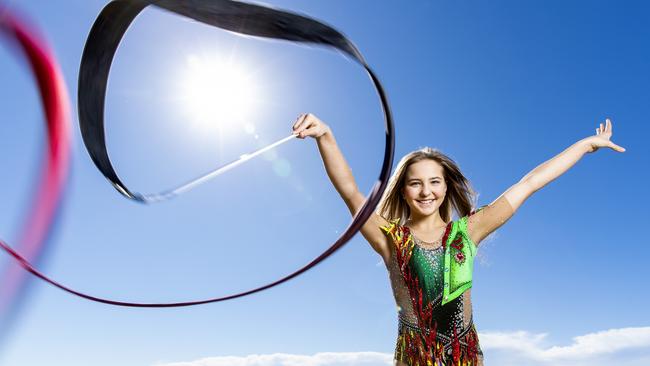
pixel 424 187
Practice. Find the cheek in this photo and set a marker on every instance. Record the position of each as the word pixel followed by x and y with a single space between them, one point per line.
pixel 440 190
pixel 410 192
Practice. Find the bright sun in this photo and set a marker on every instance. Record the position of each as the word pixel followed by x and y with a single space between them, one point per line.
pixel 218 94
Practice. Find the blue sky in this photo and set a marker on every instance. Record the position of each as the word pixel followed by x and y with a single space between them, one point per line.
pixel 499 86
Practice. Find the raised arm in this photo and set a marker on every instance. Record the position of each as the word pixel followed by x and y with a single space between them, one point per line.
pixel 340 174
pixel 491 217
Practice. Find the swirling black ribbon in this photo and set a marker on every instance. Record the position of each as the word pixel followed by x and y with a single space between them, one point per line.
pixel 238 17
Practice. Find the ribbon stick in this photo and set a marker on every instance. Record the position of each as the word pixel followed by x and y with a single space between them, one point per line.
pixel 169 194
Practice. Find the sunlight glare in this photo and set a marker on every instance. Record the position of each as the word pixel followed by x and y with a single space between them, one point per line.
pixel 219 94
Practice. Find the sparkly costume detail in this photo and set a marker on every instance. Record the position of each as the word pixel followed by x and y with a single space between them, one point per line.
pixel 432 332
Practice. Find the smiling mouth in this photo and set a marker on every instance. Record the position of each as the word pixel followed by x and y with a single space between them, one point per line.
pixel 425 202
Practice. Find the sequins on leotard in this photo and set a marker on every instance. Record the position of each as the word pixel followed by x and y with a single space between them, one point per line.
pixel 429 333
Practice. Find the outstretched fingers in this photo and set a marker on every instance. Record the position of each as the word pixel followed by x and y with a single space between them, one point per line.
pixel 616 147
pixel 606 128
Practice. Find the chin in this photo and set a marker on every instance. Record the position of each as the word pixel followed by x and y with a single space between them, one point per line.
pixel 425 213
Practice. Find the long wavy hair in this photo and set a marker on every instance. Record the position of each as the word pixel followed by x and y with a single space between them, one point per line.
pixel 460 195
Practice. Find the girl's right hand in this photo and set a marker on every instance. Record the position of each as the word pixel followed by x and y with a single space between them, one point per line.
pixel 602 138
pixel 308 125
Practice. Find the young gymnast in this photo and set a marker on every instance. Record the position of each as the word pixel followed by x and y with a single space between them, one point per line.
pixel 429 256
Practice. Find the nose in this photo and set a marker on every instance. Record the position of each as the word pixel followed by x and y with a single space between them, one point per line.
pixel 425 190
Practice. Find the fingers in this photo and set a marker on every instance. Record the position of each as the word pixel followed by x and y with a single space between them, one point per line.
pixel 609 125
pixel 606 128
pixel 311 131
pixel 616 147
pixel 304 123
pixel 307 125
pixel 298 126
pixel 300 119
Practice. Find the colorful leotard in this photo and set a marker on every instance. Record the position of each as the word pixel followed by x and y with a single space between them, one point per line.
pixel 430 332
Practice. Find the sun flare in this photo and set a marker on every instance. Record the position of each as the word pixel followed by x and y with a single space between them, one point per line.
pixel 219 94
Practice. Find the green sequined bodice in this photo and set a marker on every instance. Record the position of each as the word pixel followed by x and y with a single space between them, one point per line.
pixel 429 265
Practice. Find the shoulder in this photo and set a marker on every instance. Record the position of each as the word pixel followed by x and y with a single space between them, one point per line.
pixel 489 218
pixel 466 225
pixel 392 227
pixel 463 223
pixel 397 233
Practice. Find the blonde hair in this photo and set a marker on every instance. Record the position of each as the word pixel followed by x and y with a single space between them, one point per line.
pixel 460 195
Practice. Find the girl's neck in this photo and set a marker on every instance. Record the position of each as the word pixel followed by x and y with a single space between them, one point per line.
pixel 426 223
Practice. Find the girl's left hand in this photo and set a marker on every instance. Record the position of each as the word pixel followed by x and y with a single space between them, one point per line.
pixel 601 138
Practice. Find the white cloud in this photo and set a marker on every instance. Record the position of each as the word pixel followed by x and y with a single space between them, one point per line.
pixel 621 347
pixel 625 346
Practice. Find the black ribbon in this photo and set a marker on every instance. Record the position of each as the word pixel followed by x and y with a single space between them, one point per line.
pixel 239 17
